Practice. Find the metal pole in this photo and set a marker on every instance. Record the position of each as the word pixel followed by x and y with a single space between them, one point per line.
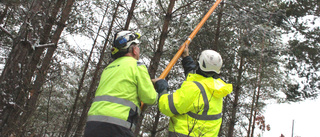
pixel 292 128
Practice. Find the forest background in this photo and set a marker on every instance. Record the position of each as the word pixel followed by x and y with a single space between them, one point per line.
pixel 53 52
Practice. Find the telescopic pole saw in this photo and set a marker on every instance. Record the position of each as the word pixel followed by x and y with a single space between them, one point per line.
pixel 187 42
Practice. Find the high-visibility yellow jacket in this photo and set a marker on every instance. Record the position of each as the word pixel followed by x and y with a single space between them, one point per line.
pixel 123 85
pixel 195 109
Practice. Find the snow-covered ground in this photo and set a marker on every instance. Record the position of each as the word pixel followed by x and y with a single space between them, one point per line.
pixel 304 115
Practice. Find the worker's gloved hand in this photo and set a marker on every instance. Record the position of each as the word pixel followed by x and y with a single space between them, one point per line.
pixel 185 51
pixel 161 86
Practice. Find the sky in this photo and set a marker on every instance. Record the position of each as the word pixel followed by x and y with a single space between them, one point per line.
pixel 306 117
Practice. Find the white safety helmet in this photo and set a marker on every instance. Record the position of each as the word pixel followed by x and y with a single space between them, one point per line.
pixel 124 39
pixel 209 61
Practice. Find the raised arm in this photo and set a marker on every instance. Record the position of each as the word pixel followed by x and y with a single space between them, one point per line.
pixel 187 62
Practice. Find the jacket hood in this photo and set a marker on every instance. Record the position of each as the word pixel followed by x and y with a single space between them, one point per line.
pixel 218 87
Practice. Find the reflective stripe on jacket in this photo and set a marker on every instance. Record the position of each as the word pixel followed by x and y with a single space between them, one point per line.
pixel 123 85
pixel 195 109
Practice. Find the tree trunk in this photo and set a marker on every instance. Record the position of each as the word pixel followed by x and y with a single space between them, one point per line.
pixel 94 82
pixel 259 86
pixel 70 121
pixel 217 35
pixel 130 14
pixel 256 105
pixel 156 58
pixel 12 80
pixel 251 113
pixel 11 120
pixel 44 38
pixel 236 99
pixel 41 75
pixel 155 124
pixel 17 72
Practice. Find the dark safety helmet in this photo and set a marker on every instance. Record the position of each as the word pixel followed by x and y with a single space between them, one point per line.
pixel 123 40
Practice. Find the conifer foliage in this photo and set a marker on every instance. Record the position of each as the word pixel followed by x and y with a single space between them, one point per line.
pixel 52 53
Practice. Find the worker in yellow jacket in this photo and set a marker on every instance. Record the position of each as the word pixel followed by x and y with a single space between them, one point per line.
pixel 195 108
pixel 123 85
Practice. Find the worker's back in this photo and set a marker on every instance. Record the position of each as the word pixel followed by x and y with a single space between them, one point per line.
pixel 123 85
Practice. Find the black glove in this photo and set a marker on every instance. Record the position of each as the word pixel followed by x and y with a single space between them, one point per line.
pixel 161 86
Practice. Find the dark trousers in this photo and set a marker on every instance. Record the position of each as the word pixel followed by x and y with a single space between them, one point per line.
pixel 101 129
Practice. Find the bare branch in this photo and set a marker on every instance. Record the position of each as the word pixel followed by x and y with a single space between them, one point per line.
pixel 188 4
pixel 6 31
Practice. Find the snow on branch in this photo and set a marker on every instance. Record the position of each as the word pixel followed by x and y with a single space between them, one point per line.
pixel 45 45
